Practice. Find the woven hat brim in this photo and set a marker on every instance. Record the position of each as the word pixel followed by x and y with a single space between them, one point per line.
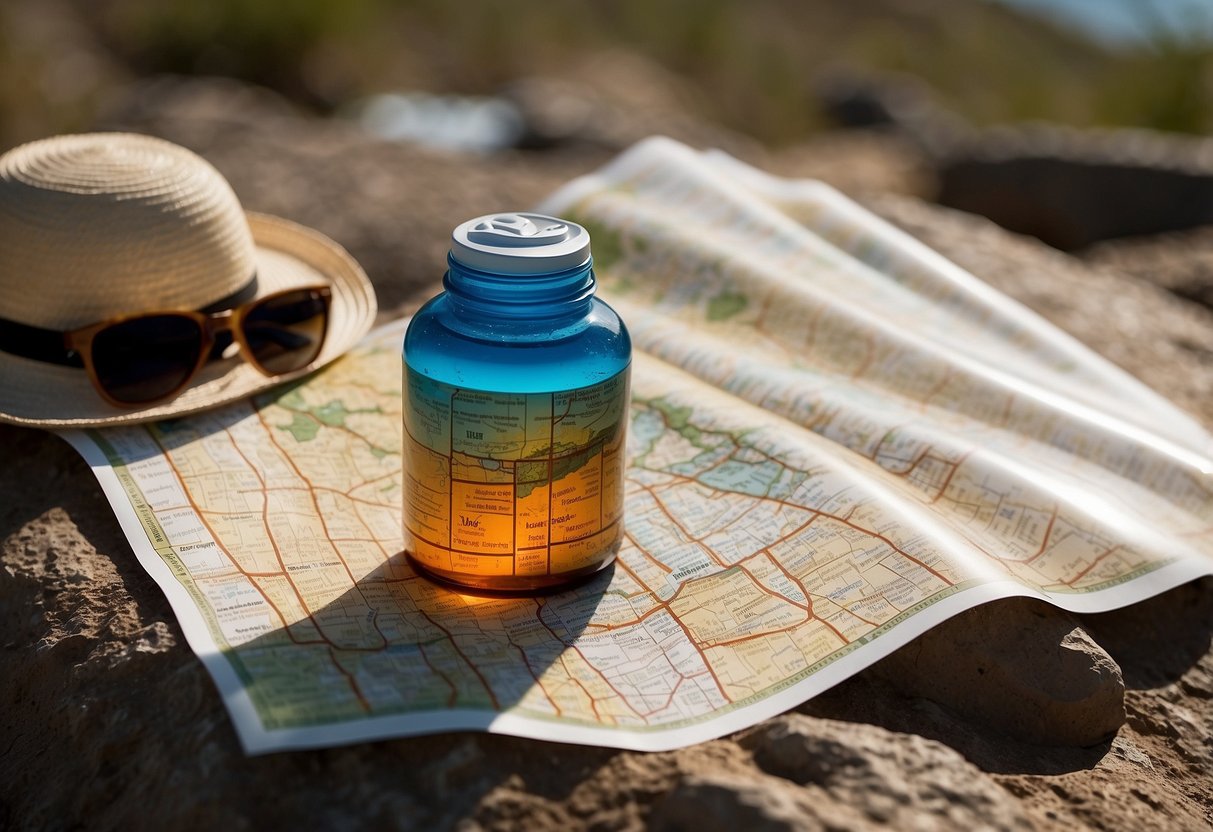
pixel 38 394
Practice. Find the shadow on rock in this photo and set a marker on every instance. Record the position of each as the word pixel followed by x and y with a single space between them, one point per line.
pixel 1016 686
pixel 1161 640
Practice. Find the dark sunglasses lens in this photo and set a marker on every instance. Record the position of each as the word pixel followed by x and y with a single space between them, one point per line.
pixel 146 359
pixel 285 332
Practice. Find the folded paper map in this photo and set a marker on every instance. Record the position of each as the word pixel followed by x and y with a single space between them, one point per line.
pixel 838 439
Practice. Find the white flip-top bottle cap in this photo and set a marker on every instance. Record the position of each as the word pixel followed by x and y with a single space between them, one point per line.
pixel 520 243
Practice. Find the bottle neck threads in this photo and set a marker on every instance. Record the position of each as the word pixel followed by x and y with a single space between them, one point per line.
pixel 476 294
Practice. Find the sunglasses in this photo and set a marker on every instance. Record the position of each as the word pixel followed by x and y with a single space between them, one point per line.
pixel 136 360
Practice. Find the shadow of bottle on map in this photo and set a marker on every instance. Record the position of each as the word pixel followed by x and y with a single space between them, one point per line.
pixel 397 645
pixel 167 435
pixel 386 642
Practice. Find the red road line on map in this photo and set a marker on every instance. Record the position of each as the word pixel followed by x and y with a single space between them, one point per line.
pixel 766 550
pixel 937 388
pixel 375 624
pixel 636 577
pixel 353 683
pixel 231 558
pixel 670 698
pixel 646 554
pixel 1091 565
pixel 847 608
pixel 844 520
pixel 286 574
pixel 527 663
pixel 761 316
pixel 539 605
pixel 742 639
pixel 462 655
pixel 807 607
pixel 450 702
pixel 311 490
pixel 868 359
pixel 666 605
pixel 371 481
pixel 661 607
pixel 1005 418
pixel 319 514
pixel 584 689
pixel 265 520
pixel 742 516
pixel 180 508
pixel 378 544
pixel 1045 540
pixel 926 453
pixel 810 595
pixel 891 545
pixel 817 567
pixel 948 479
pixel 768 591
pixel 702 656
pixel 876 448
pixel 670 516
pixel 350 497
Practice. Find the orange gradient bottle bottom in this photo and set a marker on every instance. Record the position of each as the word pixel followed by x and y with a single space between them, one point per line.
pixel 495 578
pixel 513 492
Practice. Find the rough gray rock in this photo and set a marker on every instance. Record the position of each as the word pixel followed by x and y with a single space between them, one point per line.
pixel 1020 666
pixel 610 100
pixel 900 780
pixel 1072 188
pixel 1180 262
pixel 718 803
pixel 1068 186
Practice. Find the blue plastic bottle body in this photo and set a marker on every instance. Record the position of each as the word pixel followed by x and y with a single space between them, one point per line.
pixel 437 346
pixel 531 335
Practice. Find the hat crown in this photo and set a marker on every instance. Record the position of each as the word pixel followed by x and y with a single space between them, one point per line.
pixel 97 225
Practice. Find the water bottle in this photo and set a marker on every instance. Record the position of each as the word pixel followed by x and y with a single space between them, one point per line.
pixel 516 382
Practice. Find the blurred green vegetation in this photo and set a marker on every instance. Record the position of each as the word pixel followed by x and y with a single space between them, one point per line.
pixel 753 64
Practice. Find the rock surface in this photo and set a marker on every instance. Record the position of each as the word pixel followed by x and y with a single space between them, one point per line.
pixel 1067 186
pixel 1019 665
pixel 1180 262
pixel 107 719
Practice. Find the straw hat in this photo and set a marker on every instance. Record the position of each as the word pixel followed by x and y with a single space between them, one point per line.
pixel 98 225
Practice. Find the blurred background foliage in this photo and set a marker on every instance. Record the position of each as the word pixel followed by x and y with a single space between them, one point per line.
pixel 752 66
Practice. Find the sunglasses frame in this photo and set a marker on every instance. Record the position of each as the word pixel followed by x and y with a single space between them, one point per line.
pixel 210 324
